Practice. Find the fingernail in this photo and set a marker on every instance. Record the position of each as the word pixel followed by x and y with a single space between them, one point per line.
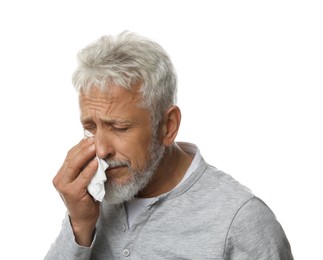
pixel 90 139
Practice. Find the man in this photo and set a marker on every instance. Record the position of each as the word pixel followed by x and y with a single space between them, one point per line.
pixel 162 200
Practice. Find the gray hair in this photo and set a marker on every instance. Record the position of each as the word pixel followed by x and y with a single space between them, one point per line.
pixel 125 60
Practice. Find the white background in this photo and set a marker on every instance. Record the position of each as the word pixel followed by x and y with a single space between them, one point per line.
pixel 250 90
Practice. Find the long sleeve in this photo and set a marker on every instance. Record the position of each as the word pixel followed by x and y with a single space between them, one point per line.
pixel 65 246
pixel 256 234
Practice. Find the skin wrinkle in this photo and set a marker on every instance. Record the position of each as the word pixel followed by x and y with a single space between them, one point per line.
pixel 108 107
pixel 101 113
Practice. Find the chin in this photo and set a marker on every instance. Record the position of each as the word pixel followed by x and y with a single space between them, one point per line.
pixel 119 191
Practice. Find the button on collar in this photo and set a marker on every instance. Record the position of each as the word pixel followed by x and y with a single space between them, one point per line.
pixel 126 252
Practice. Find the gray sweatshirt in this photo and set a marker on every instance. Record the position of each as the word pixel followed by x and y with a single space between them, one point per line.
pixel 209 216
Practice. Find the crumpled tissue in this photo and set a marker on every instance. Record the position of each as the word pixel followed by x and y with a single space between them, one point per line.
pixel 96 187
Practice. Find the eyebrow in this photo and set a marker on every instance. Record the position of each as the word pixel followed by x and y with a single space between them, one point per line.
pixel 89 120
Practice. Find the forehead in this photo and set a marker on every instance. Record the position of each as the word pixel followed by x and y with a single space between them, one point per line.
pixel 114 102
pixel 111 95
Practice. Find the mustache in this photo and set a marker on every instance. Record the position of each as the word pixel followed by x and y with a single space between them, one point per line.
pixel 117 163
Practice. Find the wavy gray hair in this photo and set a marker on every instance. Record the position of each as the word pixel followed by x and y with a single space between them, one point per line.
pixel 125 60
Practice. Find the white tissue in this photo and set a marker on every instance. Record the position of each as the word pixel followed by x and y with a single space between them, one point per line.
pixel 96 187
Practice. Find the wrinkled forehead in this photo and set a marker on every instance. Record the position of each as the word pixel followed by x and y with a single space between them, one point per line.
pixel 115 102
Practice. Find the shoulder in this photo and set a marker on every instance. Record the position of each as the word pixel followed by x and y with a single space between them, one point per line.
pixel 252 230
pixel 256 234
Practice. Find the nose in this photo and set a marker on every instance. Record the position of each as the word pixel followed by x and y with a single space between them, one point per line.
pixel 104 144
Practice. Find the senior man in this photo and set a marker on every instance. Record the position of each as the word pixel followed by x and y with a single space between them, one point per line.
pixel 162 200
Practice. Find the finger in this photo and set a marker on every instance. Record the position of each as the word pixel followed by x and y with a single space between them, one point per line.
pixel 80 154
pixel 76 159
pixel 77 189
pixel 84 178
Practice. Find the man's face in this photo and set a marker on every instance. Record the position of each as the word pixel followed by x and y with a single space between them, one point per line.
pixel 124 138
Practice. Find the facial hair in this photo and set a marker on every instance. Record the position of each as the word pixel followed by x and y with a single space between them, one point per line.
pixel 116 193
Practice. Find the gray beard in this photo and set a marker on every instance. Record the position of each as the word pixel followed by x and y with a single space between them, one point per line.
pixel 116 194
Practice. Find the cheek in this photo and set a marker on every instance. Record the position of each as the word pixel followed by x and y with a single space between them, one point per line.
pixel 136 150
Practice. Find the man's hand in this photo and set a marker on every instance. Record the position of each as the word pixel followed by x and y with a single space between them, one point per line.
pixel 71 182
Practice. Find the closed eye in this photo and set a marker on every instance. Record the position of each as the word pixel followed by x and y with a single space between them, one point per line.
pixel 120 129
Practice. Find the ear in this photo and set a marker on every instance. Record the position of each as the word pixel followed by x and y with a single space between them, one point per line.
pixel 171 123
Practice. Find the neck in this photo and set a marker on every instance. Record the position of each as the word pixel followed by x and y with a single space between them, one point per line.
pixel 169 173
